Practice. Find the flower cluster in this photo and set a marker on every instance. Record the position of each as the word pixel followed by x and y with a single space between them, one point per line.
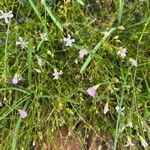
pixel 122 53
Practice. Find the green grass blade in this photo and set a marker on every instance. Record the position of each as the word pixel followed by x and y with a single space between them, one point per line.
pixel 37 13
pixel 96 48
pixel 58 24
pixel 14 142
pixel 29 61
pixel 145 26
pixel 120 12
pixel 86 63
pixel 80 2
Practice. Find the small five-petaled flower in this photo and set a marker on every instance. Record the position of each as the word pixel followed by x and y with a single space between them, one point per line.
pixel 82 53
pixel 56 74
pixel 16 79
pixel 5 16
pixel 40 62
pixel 143 142
pixel 23 44
pixel 129 143
pixel 120 110
pixel 68 41
pixel 133 62
pixel 122 52
pixel 91 91
pixel 23 113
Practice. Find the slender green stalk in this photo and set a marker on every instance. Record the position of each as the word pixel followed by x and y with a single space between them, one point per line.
pixel 38 14
pixel 29 61
pixel 119 113
pixel 120 13
pixel 58 24
pixel 6 57
pixel 146 24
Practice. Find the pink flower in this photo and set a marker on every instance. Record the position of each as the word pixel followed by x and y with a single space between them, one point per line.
pixel 82 53
pixel 143 142
pixel 22 113
pixel 91 91
pixel 16 79
pixel 129 144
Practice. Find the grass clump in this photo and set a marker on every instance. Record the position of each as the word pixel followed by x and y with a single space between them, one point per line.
pixel 74 74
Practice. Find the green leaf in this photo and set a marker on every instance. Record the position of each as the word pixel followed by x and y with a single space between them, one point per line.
pixel 58 24
pixel 80 2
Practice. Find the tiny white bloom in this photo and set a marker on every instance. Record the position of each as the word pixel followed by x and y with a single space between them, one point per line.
pixel 68 41
pixel 143 142
pixel 5 16
pixel 22 43
pixel 106 34
pixel 82 53
pixel 16 79
pixel 106 108
pixel 129 143
pixel 44 36
pixel 129 124
pixel 1 104
pixel 122 52
pixel 40 62
pixel 56 74
pixel 133 62
pixel 120 110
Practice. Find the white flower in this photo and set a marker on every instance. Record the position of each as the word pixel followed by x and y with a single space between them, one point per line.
pixel 133 62
pixel 40 62
pixel 120 110
pixel 106 108
pixel 129 144
pixel 56 74
pixel 44 36
pixel 106 34
pixel 122 52
pixel 16 79
pixel 1 104
pixel 82 53
pixel 22 43
pixel 130 124
pixel 68 41
pixel 5 16
pixel 143 142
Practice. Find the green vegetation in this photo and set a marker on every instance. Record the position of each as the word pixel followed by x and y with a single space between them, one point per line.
pixel 76 65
